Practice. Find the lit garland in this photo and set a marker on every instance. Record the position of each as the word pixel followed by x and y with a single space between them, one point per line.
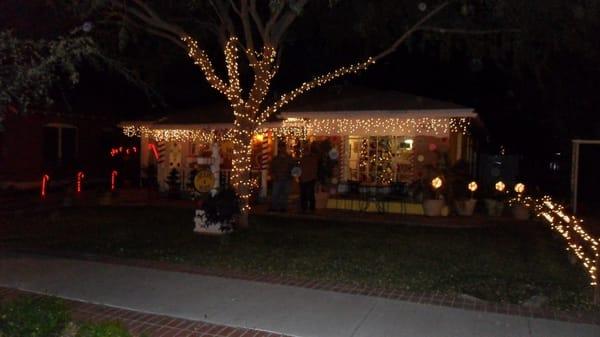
pixel 173 135
pixel 569 227
pixel 380 126
pixel 300 128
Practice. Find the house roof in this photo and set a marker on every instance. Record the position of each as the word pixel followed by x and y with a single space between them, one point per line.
pixel 346 102
pixel 360 102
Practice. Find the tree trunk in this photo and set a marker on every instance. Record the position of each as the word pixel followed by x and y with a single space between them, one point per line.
pixel 242 174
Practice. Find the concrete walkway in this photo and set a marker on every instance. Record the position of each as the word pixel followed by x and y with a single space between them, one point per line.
pixel 276 308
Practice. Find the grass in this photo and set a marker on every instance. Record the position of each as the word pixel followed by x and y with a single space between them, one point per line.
pixel 505 264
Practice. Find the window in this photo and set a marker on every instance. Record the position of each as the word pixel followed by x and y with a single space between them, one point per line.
pixel 59 144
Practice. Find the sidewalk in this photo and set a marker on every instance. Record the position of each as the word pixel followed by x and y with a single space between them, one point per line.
pixel 282 309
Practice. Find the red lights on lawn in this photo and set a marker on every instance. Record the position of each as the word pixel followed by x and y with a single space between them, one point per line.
pixel 80 176
pixel 113 180
pixel 45 179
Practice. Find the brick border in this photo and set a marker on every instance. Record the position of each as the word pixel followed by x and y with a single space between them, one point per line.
pixel 139 323
pixel 435 298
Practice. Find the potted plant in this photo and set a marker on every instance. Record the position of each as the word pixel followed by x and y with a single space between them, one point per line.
pixel 433 203
pixel 494 204
pixel 217 212
pixel 466 206
pixel 460 189
pixel 520 205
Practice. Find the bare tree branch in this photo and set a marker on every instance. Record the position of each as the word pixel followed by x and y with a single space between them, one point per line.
pixel 234 7
pixel 149 18
pixel 409 32
pixel 227 27
pixel 258 21
pixel 269 26
pixel 244 16
pixel 284 22
pixel 462 31
pixel 150 30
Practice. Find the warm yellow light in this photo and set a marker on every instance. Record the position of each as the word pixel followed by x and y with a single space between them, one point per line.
pixel 500 186
pixel 436 183
pixel 472 186
pixel 259 137
pixel 520 188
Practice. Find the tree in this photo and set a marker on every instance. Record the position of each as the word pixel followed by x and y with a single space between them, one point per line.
pixel 29 68
pixel 48 51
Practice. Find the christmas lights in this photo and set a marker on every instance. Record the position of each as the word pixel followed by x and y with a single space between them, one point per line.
pixel 45 180
pixel 80 176
pixel 520 188
pixel 584 246
pixel 300 128
pixel 380 126
pixel 113 180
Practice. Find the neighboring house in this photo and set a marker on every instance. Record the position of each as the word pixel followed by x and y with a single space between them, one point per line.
pixel 55 144
pixel 377 138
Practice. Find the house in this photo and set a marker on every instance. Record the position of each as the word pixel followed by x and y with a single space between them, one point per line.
pixel 375 140
pixel 55 144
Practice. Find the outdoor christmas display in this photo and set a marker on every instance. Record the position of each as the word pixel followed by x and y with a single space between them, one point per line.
pixel 260 45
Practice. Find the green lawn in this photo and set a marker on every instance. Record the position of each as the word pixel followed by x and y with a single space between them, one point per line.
pixel 509 263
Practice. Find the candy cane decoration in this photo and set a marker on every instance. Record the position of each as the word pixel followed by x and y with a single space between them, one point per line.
pixel 113 180
pixel 152 148
pixel 45 179
pixel 265 152
pixel 162 148
pixel 80 176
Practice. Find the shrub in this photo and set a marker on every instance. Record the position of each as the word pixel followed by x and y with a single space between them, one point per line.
pixel 27 317
pixel 222 207
pixel 106 329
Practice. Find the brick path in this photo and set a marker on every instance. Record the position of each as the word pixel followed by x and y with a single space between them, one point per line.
pixel 142 324
pixel 415 297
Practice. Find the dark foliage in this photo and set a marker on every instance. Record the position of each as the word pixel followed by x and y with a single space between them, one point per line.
pixel 27 317
pixel 222 207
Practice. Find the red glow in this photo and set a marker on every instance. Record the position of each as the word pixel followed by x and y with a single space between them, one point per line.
pixel 45 179
pixel 80 177
pixel 115 151
pixel 113 180
pixel 152 148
